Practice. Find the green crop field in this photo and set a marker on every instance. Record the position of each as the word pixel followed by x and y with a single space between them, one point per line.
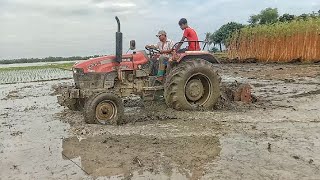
pixel 9 75
pixel 65 66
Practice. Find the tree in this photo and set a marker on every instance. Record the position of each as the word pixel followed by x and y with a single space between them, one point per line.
pixel 254 19
pixel 217 38
pixel 222 35
pixel 208 39
pixel 286 18
pixel 313 15
pixel 269 16
pixel 228 29
pixel 303 16
pixel 266 16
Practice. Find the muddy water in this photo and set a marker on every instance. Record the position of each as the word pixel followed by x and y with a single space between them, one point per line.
pixel 275 138
pixel 30 138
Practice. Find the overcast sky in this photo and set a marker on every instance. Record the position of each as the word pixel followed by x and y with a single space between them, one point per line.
pixel 41 28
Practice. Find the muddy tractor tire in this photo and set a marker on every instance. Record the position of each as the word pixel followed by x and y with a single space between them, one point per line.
pixel 104 108
pixel 192 85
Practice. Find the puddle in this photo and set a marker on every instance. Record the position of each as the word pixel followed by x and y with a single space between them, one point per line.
pixel 150 156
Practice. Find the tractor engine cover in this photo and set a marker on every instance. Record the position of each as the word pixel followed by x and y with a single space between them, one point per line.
pixel 101 72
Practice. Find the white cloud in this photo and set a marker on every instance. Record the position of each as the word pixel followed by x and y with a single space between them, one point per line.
pixel 164 3
pixel 107 5
pixel 127 4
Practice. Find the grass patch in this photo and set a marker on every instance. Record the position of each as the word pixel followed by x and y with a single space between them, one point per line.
pixel 64 66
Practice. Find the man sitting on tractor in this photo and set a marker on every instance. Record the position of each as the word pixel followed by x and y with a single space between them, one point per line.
pixel 189 34
pixel 165 46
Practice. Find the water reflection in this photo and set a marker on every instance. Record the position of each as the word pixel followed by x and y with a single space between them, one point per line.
pixel 141 156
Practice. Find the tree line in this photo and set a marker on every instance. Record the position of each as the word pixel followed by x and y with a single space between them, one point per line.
pixel 267 16
pixel 47 59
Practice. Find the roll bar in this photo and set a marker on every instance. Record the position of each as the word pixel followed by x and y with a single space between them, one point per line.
pixel 205 43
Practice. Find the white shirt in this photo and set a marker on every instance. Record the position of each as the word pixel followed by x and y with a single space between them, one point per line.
pixel 165 46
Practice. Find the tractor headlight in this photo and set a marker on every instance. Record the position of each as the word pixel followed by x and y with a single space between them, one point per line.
pixel 77 71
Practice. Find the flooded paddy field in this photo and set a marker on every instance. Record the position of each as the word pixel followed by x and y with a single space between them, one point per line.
pixel 34 64
pixel 33 75
pixel 34 72
pixel 274 138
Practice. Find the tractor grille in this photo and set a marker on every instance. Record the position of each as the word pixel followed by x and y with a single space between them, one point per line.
pixel 88 80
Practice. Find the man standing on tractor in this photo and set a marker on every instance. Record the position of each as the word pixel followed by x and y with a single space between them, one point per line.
pixel 165 46
pixel 189 34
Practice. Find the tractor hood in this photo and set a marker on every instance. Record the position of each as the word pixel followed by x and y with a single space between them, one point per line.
pixel 108 63
pixel 94 64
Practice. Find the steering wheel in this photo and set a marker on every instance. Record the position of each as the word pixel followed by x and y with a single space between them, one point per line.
pixel 153 50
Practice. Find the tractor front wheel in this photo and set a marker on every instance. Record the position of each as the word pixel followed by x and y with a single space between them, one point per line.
pixel 105 109
pixel 192 85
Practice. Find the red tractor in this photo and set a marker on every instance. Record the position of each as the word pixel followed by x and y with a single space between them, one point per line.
pixel 100 83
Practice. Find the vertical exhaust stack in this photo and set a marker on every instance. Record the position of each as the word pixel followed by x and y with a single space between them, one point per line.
pixel 118 43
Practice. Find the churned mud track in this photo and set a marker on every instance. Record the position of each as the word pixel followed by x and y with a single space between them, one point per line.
pixel 274 138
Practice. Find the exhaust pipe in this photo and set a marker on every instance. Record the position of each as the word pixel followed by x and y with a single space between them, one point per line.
pixel 118 42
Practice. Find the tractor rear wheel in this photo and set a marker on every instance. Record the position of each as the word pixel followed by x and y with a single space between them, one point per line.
pixel 104 108
pixel 191 85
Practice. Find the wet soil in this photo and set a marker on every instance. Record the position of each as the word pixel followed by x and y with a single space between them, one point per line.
pixel 129 153
pixel 275 138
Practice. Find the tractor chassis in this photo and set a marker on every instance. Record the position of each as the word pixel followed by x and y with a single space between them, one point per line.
pixel 70 95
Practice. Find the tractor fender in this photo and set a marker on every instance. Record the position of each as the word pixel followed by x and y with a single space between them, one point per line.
pixel 199 55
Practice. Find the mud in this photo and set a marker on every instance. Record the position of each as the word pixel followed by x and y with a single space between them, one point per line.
pixel 142 153
pixel 275 138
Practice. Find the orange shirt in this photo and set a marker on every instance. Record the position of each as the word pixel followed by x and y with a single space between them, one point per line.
pixel 191 35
